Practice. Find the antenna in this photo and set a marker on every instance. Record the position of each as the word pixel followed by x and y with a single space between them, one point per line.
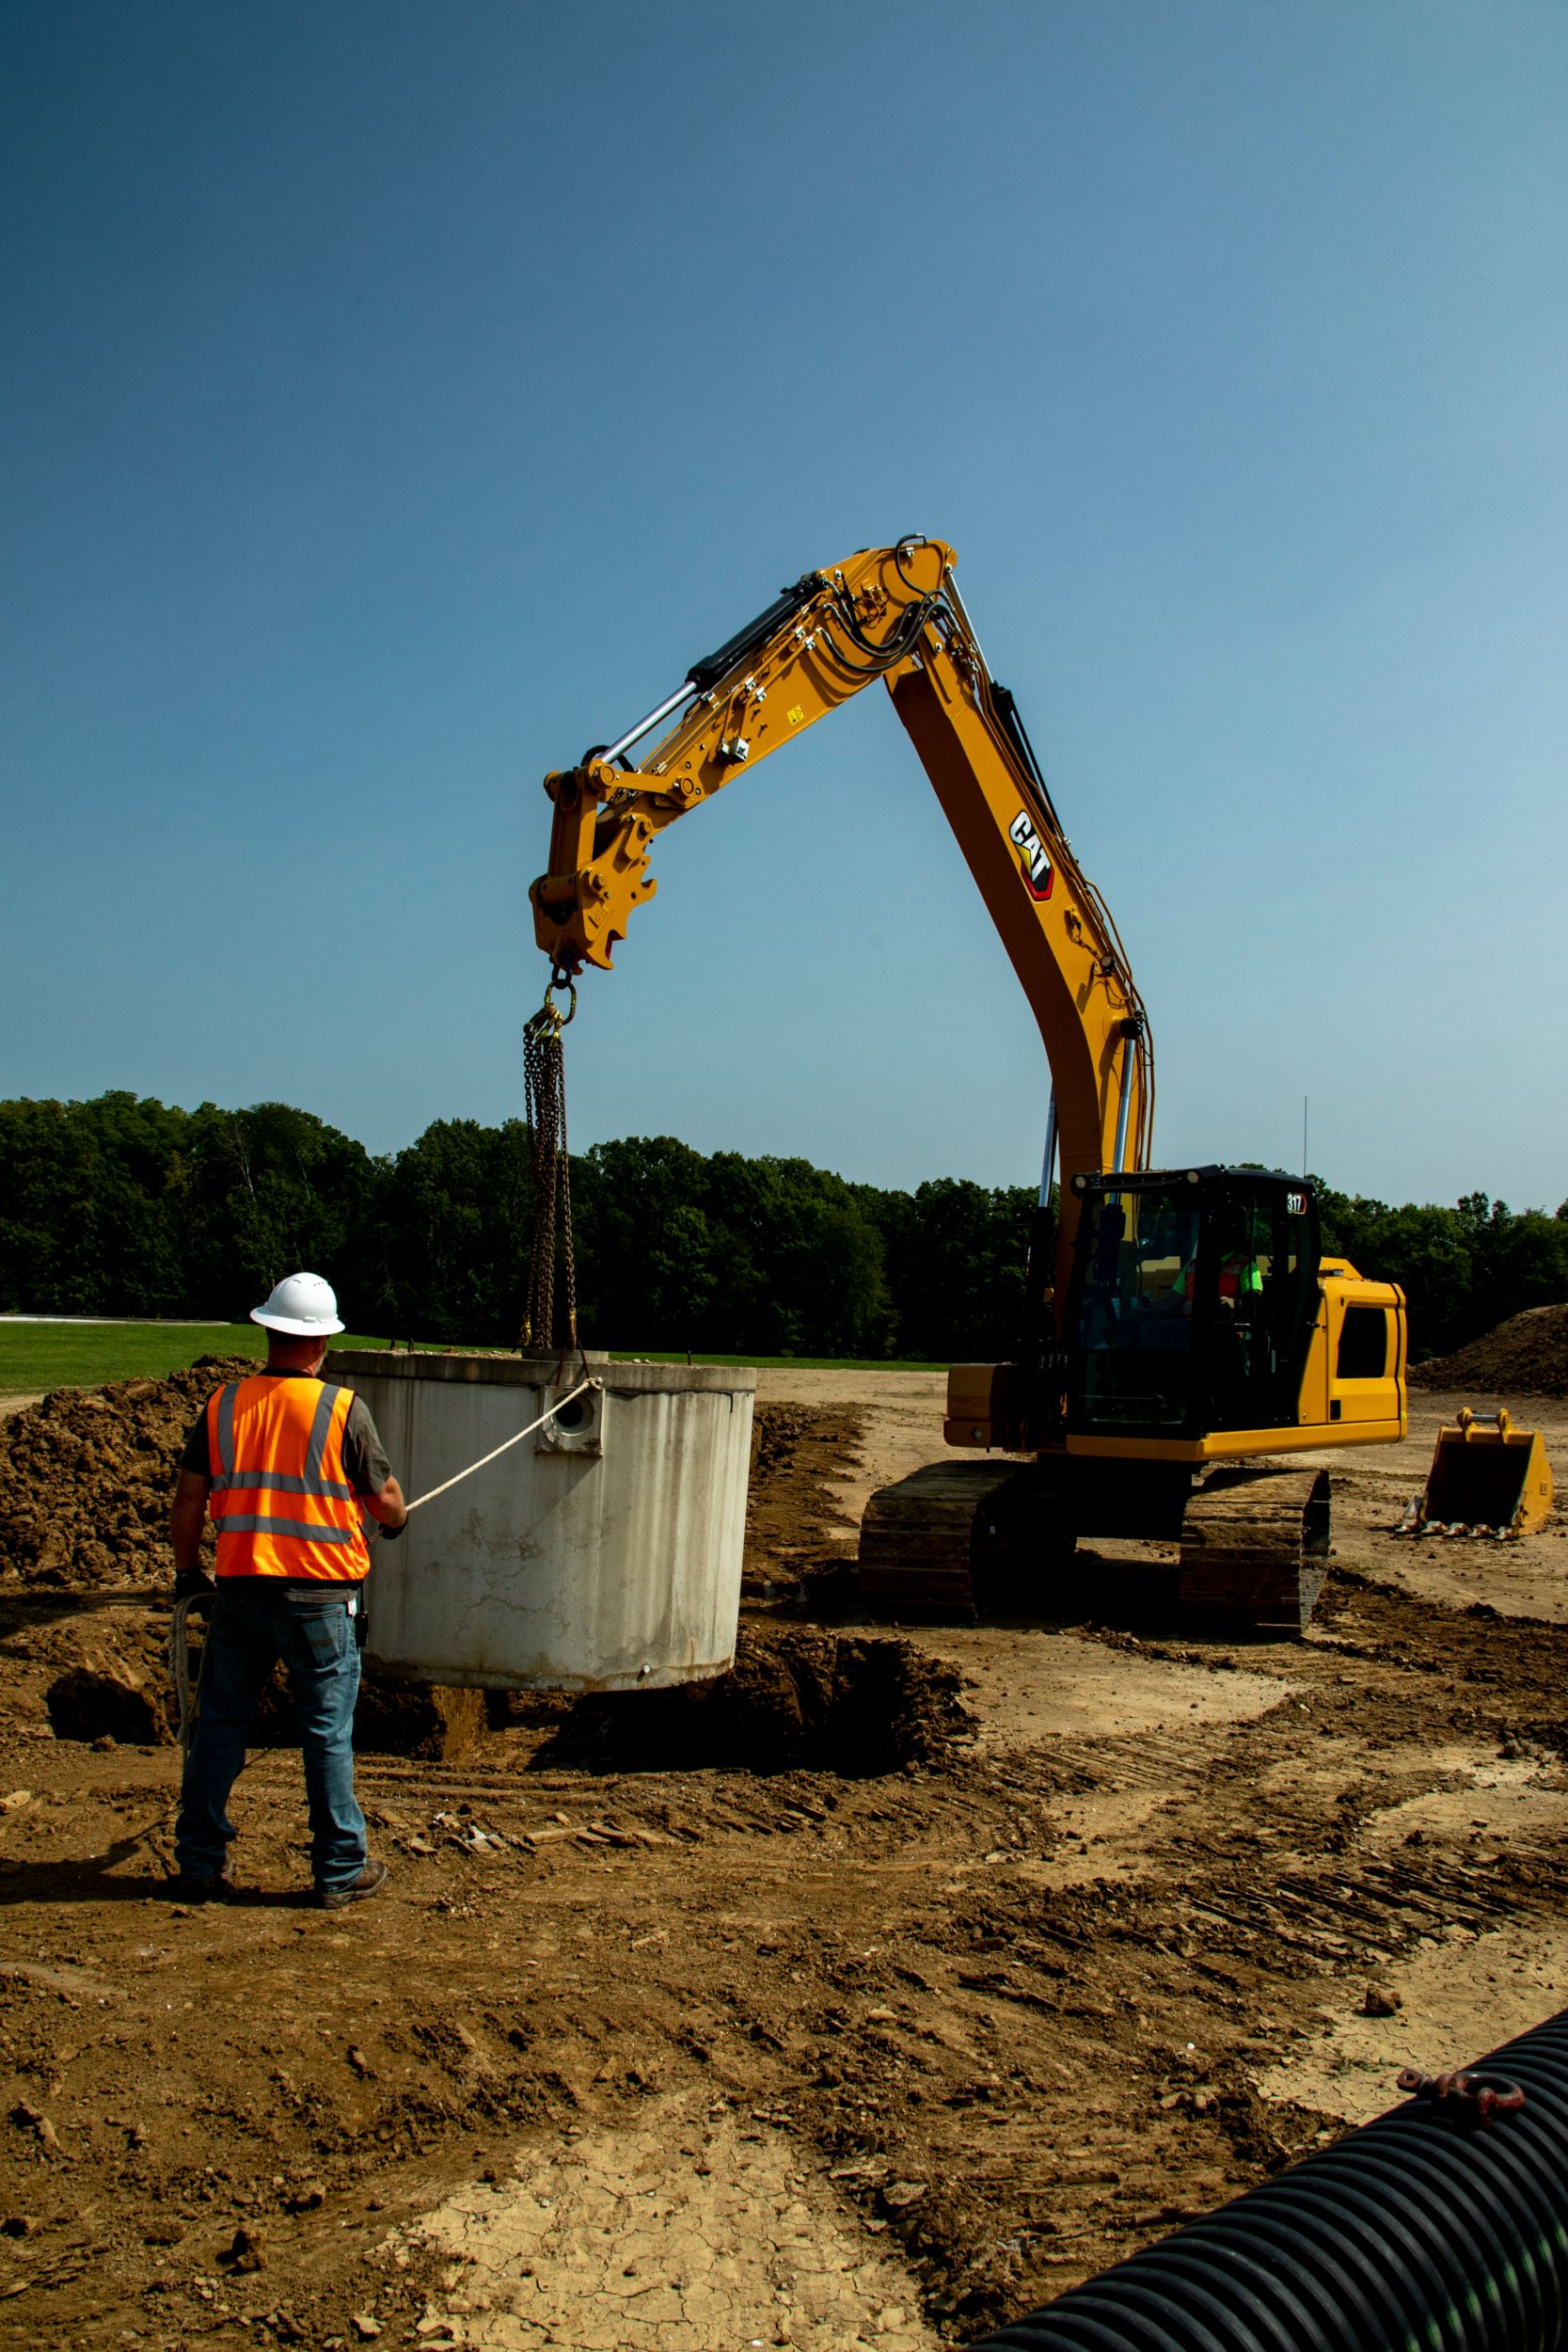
pixel 1304 1102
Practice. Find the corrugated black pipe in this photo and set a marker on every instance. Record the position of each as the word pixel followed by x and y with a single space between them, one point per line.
pixel 1423 2232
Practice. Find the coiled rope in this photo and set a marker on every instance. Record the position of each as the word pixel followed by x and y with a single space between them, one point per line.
pixel 178 1654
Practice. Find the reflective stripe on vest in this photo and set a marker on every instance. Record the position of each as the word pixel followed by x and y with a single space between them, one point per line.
pixel 279 1501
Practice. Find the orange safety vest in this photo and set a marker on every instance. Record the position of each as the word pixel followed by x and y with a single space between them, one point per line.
pixel 280 1501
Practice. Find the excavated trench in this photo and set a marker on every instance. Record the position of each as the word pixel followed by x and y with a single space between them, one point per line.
pixel 88 1479
pixel 855 1704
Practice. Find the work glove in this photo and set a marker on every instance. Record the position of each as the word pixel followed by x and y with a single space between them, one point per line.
pixel 390 1534
pixel 193 1584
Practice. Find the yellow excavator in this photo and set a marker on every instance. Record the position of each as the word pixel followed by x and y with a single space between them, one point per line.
pixel 1186 1322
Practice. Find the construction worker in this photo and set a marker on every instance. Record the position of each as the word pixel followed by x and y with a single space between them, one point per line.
pixel 289 1465
pixel 1240 1276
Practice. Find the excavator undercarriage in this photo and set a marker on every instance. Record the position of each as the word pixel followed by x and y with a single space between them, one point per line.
pixel 968 1538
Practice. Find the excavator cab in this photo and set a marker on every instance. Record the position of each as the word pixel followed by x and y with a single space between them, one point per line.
pixel 1192 1302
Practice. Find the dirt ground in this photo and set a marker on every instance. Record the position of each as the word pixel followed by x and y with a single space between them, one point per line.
pixel 646 2048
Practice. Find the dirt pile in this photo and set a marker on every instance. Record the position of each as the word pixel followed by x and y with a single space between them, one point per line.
pixel 85 1477
pixel 1526 1356
pixel 856 1705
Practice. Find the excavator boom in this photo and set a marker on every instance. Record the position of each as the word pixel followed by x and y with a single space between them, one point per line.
pixel 894 614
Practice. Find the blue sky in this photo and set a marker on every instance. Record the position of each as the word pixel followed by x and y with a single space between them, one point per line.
pixel 398 398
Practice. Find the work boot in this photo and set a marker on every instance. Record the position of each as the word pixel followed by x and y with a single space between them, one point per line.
pixel 372 1879
pixel 198 1886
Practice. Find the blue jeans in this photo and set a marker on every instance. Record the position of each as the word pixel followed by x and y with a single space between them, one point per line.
pixel 248 1630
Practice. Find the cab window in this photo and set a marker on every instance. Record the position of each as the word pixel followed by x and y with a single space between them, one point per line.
pixel 1132 1364
pixel 1363 1350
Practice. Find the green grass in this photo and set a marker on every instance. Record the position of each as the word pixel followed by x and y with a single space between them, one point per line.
pixel 35 1356
pixel 42 1356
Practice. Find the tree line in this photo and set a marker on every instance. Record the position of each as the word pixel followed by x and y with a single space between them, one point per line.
pixel 128 1206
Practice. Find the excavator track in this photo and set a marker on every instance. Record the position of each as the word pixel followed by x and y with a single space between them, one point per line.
pixel 1255 1548
pixel 923 1539
pixel 1254 1542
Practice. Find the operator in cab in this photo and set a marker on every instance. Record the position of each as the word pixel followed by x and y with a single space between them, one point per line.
pixel 291 1467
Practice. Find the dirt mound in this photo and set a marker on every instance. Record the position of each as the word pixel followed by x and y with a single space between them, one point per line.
pixel 1526 1356
pixel 852 1703
pixel 85 1477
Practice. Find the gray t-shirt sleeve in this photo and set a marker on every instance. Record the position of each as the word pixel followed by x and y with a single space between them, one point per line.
pixel 198 1454
pixel 364 1457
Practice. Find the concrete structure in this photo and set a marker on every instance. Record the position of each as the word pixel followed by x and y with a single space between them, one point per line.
pixel 602 1553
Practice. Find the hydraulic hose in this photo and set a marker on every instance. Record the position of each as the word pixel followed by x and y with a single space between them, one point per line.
pixel 1441 2226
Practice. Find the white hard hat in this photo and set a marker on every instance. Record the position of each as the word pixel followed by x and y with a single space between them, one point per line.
pixel 302 1305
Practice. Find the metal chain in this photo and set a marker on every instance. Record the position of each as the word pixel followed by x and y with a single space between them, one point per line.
pixel 545 1090
pixel 568 1235
pixel 542 1096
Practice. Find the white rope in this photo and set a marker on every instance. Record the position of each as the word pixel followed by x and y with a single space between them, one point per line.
pixel 581 1387
pixel 180 1668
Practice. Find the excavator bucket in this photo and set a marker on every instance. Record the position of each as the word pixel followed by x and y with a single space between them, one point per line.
pixel 1486 1477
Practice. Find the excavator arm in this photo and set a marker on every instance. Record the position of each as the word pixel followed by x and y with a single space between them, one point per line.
pixel 893 614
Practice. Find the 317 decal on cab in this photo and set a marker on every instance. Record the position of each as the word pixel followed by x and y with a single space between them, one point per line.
pixel 1035 864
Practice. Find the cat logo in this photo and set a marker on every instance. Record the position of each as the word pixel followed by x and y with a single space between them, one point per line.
pixel 1038 872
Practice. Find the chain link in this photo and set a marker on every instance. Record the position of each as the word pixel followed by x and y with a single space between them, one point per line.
pixel 545 1090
